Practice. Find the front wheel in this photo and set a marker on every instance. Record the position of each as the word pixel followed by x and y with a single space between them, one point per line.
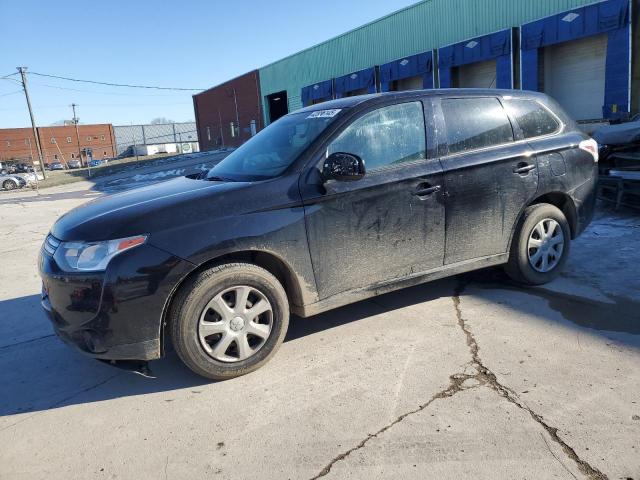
pixel 540 246
pixel 229 320
pixel 8 185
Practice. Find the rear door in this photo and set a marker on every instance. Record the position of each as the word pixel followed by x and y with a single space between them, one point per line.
pixel 390 223
pixel 490 174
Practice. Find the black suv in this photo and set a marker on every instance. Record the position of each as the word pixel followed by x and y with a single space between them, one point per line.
pixel 329 205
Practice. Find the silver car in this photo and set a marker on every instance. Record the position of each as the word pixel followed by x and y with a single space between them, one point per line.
pixel 11 182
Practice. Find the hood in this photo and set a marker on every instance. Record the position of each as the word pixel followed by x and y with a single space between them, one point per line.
pixel 143 210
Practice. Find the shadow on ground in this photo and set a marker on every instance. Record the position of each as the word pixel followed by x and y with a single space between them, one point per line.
pixel 38 372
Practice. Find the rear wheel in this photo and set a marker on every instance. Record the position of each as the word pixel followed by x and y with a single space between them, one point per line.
pixel 540 247
pixel 229 320
pixel 8 185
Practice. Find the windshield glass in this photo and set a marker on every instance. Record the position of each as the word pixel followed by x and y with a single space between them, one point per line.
pixel 271 151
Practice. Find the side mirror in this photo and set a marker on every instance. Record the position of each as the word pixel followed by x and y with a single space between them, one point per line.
pixel 344 167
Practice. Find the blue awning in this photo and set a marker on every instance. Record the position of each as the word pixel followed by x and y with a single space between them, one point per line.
pixel 610 17
pixel 317 91
pixel 487 47
pixel 407 67
pixel 573 24
pixel 412 66
pixel 356 81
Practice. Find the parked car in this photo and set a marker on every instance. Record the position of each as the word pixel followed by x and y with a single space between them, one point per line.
pixel 23 168
pixel 74 163
pixel 31 178
pixel 11 182
pixel 56 166
pixel 329 205
pixel 96 163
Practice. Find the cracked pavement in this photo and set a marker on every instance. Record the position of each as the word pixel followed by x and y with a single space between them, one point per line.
pixel 464 377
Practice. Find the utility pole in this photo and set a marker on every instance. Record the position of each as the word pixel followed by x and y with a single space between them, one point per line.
pixel 22 71
pixel 75 122
pixel 235 100
pixel 221 131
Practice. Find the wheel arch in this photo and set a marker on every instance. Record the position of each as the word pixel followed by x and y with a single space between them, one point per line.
pixel 560 200
pixel 261 258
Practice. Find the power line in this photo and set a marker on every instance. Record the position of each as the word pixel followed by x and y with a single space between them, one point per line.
pixel 105 93
pixel 9 75
pixel 11 80
pixel 114 84
pixel 10 93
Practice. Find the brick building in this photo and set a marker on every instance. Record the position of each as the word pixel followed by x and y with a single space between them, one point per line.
pixel 215 111
pixel 59 143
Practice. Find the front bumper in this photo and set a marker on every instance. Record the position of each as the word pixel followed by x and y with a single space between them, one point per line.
pixel 115 314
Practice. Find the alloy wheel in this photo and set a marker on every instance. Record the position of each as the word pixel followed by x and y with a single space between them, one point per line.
pixel 235 324
pixel 545 246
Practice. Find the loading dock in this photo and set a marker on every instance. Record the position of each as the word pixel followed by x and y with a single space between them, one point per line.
pixel 481 62
pixel 582 58
pixel 410 73
pixel 356 83
pixel 317 93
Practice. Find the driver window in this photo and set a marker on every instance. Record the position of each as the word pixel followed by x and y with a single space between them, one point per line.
pixel 385 136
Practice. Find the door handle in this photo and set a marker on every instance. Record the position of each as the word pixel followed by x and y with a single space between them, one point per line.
pixel 523 168
pixel 423 190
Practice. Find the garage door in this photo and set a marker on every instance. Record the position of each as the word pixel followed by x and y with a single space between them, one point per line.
pixel 411 83
pixel 574 75
pixel 477 75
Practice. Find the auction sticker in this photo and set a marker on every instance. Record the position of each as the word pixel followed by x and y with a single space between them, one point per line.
pixel 325 113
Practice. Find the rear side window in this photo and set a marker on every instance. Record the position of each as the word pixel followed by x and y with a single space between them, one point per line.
pixel 474 123
pixel 533 118
pixel 386 136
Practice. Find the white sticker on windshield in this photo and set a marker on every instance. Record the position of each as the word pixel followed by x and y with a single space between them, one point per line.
pixel 325 113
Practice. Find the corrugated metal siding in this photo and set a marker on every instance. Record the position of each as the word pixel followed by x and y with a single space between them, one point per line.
pixel 425 26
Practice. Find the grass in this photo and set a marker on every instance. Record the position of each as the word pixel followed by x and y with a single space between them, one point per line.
pixel 63 177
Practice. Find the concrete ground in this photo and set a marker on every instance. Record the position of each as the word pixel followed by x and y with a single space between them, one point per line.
pixel 468 377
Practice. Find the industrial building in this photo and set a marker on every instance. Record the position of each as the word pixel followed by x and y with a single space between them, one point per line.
pixel 577 51
pixel 59 143
pixel 229 114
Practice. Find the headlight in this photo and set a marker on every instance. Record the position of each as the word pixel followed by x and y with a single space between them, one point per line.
pixel 93 256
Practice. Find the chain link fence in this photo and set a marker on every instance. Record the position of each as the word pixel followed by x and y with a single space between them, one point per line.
pixel 129 136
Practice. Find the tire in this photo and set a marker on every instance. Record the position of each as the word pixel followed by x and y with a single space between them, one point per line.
pixel 199 304
pixel 526 261
pixel 8 185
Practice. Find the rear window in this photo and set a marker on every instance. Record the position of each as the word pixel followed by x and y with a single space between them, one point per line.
pixel 534 120
pixel 474 123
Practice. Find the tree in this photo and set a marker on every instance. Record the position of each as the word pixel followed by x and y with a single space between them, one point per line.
pixel 160 120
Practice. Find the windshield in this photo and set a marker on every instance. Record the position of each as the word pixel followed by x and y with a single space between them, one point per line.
pixel 271 151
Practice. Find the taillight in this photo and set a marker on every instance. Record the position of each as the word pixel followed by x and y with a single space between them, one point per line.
pixel 590 146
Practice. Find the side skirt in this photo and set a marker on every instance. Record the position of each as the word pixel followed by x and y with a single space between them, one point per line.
pixel 356 295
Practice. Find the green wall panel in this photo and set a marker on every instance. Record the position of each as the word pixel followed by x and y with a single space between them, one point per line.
pixel 424 26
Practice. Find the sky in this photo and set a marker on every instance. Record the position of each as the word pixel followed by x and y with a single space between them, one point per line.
pixel 188 44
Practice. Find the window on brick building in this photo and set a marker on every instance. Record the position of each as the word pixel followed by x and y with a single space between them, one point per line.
pixel 53 140
pixel 8 143
pixel 89 139
pixel 68 139
pixel 101 137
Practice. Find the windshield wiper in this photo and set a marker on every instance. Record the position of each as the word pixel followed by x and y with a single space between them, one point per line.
pixel 215 178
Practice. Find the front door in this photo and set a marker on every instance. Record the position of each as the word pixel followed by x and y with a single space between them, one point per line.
pixel 390 223
pixel 488 177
